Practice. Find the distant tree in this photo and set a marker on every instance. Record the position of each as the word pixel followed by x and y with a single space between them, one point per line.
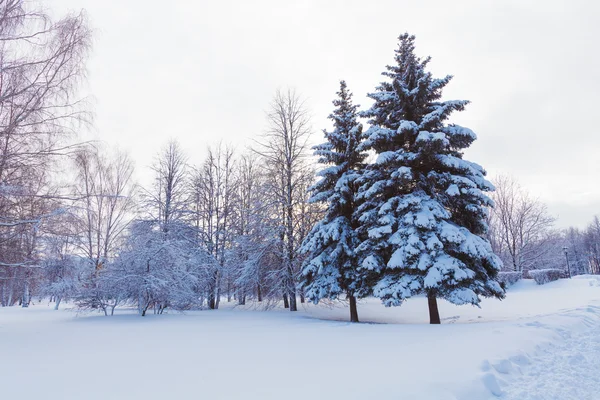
pixel 213 196
pixel 166 200
pixel 284 151
pixel 255 236
pixel 106 192
pixel 105 205
pixel 592 245
pixel 424 207
pixel 575 243
pixel 521 226
pixel 330 269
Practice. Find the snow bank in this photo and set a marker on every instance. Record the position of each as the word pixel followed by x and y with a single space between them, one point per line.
pixel 476 354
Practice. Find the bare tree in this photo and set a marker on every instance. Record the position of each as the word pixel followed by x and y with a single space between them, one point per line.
pixel 41 65
pixel 256 240
pixel 167 199
pixel 521 227
pixel 106 190
pixel 213 196
pixel 284 150
pixel 592 245
pixel 574 244
pixel 105 207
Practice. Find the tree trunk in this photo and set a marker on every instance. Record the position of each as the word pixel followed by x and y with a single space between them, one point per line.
pixel 58 299
pixel 293 303
pixel 218 299
pixel 302 299
pixel 285 301
pixel 258 292
pixel 228 290
pixel 26 298
pixel 434 314
pixel 144 309
pixel 353 309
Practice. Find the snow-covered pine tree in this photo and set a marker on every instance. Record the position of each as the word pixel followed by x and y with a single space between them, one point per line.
pixel 330 269
pixel 424 207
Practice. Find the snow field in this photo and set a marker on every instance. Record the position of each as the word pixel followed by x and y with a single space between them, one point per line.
pixel 541 342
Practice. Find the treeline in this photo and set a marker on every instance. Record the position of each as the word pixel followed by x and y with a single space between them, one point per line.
pixel 522 232
pixel 227 228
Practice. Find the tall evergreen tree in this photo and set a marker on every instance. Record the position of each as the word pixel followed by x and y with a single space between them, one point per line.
pixel 424 207
pixel 330 269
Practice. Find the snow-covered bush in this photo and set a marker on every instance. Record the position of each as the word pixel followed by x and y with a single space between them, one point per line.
pixel 542 276
pixel 64 278
pixel 160 268
pixel 509 278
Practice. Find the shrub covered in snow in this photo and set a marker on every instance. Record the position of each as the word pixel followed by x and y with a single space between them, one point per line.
pixel 509 278
pixel 542 276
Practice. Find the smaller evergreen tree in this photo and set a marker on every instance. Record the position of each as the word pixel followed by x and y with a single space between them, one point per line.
pixel 330 267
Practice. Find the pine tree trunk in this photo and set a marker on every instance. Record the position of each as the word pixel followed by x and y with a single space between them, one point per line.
pixel 434 314
pixel 286 304
pixel 353 309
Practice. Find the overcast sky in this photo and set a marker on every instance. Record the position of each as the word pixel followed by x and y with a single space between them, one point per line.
pixel 203 71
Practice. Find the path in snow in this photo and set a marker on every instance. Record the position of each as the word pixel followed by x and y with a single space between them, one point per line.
pixel 564 370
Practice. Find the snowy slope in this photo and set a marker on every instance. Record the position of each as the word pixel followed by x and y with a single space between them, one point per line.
pixel 542 342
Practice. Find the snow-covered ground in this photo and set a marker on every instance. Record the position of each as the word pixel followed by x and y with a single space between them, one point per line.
pixel 541 342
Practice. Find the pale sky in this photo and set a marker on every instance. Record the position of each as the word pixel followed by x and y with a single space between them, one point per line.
pixel 204 71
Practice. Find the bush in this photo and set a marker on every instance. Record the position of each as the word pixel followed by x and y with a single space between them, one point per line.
pixel 542 276
pixel 509 278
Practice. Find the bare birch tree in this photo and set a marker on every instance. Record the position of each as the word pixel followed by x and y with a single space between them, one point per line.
pixel 167 199
pixel 284 149
pixel 41 66
pixel 106 191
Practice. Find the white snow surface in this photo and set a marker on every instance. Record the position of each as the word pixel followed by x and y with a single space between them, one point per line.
pixel 541 342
